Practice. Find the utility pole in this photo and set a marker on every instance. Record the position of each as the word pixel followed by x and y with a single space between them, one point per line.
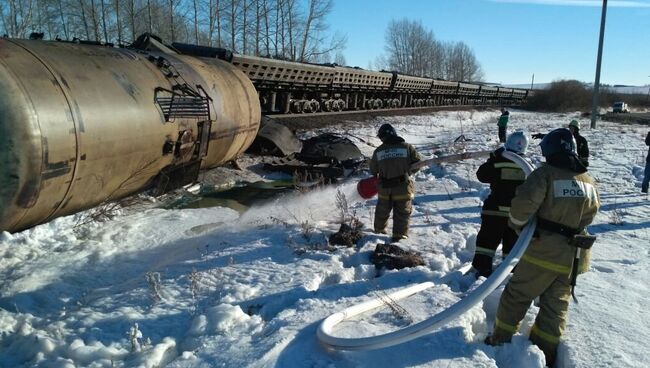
pixel 595 108
pixel 532 82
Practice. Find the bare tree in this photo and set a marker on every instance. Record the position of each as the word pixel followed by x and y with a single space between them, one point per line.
pixel 315 45
pixel 462 64
pixel 171 19
pixel 118 22
pixel 17 17
pixel 412 49
pixel 290 29
pixel 149 17
pixel 267 35
pixel 63 22
pixel 106 39
pixel 234 10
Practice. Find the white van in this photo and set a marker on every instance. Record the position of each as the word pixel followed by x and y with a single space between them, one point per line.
pixel 620 107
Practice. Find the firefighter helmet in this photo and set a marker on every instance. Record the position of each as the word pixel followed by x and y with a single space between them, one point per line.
pixel 385 131
pixel 558 141
pixel 575 124
pixel 517 142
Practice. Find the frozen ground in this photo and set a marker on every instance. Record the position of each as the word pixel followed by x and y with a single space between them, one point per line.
pixel 212 288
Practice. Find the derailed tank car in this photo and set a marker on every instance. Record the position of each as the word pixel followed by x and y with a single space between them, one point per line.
pixel 81 124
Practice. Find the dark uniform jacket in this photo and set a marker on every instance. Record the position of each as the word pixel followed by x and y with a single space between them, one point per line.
pixel 504 176
pixel 391 162
pixel 647 143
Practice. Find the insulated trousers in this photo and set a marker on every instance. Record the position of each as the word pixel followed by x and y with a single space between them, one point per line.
pixel 401 209
pixel 646 177
pixel 528 282
pixel 494 230
pixel 502 134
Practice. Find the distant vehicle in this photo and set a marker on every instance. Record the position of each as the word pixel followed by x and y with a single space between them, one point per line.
pixel 620 107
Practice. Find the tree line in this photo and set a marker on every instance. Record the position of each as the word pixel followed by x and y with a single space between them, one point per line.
pixel 295 30
pixel 288 29
pixel 571 95
pixel 412 49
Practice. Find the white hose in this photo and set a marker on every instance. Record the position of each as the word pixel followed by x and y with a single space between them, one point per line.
pixel 424 327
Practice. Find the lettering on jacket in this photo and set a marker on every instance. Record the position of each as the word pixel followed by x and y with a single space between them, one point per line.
pixel 390 153
pixel 574 189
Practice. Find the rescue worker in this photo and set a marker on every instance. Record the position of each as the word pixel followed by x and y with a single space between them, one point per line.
pixel 582 147
pixel 503 124
pixel 646 173
pixel 391 164
pixel 565 200
pixel 504 176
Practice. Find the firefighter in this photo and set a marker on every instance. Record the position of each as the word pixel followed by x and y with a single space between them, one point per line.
pixel 391 164
pixel 504 176
pixel 565 200
pixel 502 123
pixel 646 173
pixel 582 147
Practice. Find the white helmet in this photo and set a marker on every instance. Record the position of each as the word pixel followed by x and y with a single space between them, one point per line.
pixel 517 142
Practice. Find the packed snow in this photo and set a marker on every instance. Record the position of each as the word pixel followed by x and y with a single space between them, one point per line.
pixel 214 287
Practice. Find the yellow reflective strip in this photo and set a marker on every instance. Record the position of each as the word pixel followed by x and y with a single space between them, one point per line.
pixel 504 326
pixel 401 197
pixel 544 335
pixel 486 251
pixel 494 213
pixel 546 264
pixel 504 208
pixel 517 222
pixel 510 165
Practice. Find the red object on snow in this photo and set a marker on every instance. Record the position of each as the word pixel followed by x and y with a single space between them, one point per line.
pixel 367 188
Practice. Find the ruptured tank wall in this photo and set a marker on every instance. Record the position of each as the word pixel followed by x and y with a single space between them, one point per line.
pixel 80 125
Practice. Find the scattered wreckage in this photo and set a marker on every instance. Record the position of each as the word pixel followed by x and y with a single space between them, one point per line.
pixel 326 158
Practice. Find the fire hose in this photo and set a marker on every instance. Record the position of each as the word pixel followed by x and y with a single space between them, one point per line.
pixel 325 329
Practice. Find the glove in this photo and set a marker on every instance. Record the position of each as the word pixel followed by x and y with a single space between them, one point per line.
pixel 538 135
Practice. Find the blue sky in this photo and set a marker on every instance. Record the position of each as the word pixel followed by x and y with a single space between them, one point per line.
pixel 512 39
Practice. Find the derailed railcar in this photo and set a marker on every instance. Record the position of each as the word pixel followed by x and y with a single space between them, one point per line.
pixel 287 87
pixel 82 124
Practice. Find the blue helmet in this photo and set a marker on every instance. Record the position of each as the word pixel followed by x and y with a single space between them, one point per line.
pixel 558 141
pixel 385 131
pixel 517 142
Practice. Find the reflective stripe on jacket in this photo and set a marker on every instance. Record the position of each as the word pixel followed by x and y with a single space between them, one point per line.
pixel 560 196
pixel 504 176
pixel 391 162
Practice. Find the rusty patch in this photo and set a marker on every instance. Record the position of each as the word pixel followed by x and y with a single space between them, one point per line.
pixel 52 169
pixel 28 194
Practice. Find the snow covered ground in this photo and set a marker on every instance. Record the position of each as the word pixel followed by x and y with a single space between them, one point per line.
pixel 212 288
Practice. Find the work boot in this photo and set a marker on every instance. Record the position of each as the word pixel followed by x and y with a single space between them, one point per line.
pixel 397 238
pixel 483 265
pixel 383 231
pixel 490 340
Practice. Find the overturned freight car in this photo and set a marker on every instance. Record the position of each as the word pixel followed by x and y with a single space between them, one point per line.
pixel 81 124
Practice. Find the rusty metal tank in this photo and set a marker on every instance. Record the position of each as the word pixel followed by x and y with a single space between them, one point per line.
pixel 82 124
